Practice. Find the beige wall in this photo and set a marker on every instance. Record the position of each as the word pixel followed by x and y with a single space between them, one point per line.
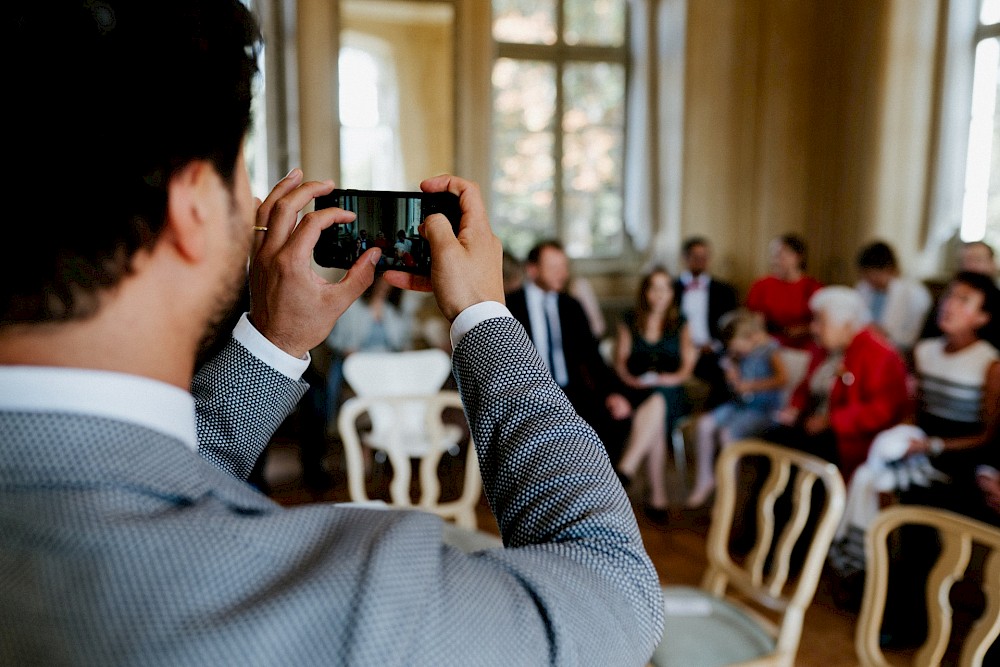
pixel 424 60
pixel 810 118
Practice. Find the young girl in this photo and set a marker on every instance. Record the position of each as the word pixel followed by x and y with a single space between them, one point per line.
pixel 756 377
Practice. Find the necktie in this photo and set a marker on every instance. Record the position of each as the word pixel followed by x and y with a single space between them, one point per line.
pixel 553 334
pixel 551 341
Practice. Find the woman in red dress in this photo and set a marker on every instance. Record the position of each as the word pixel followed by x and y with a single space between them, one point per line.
pixel 782 297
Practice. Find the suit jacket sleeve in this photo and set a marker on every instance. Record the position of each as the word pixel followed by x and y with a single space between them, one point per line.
pixel 722 299
pixel 586 350
pixel 239 403
pixel 555 495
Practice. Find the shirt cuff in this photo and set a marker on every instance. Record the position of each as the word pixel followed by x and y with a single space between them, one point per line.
pixel 272 355
pixel 474 315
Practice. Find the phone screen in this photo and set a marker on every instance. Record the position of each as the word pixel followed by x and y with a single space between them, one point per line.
pixel 387 220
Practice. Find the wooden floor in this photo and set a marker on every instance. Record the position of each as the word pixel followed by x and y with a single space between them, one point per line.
pixel 677 551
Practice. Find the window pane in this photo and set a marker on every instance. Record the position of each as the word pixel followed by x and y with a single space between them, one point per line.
pixel 524 21
pixel 596 22
pixel 523 144
pixel 593 151
pixel 993 206
pixel 981 133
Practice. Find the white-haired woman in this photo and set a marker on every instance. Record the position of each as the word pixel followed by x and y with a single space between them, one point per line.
pixel 856 385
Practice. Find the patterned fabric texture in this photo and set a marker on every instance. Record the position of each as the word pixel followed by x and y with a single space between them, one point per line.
pixel 119 546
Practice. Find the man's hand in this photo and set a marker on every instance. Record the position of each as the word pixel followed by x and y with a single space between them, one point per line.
pixel 290 304
pixel 465 270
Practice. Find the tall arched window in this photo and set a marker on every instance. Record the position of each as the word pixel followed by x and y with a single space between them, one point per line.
pixel 371 155
pixel 981 198
pixel 559 124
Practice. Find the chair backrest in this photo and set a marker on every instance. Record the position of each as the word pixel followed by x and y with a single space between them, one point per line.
pixel 402 396
pixel 796 364
pixel 763 581
pixel 957 534
pixel 414 373
pixel 397 373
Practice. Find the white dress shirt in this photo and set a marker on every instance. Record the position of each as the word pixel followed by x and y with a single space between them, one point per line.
pixel 694 305
pixel 543 313
pixel 154 404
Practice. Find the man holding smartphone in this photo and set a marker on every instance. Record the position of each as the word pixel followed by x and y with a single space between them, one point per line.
pixel 127 533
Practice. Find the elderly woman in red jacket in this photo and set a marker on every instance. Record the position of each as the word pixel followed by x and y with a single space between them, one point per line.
pixel 856 385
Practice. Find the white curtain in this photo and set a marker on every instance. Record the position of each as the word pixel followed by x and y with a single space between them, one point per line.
pixel 654 146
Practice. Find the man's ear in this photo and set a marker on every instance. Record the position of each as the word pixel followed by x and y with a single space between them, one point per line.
pixel 189 203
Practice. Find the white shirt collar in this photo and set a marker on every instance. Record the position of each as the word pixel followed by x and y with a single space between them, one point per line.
pixel 533 291
pixel 129 398
pixel 686 278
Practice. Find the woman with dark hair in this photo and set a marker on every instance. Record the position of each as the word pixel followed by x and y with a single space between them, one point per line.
pixel 782 297
pixel 654 357
pixel 958 376
pixel 958 411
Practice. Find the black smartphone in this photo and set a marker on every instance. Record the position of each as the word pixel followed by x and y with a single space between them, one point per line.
pixel 385 219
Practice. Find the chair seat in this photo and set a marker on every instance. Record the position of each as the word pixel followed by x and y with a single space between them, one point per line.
pixel 700 630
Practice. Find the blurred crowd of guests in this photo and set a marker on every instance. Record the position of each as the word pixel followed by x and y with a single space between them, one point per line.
pixel 691 352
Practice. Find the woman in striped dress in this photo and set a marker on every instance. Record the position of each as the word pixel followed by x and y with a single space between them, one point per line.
pixel 959 393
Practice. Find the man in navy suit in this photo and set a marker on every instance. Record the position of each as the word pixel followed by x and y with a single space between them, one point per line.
pixel 560 331
pixel 128 535
pixel 704 300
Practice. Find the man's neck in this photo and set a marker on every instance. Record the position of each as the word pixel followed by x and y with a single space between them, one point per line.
pixel 136 339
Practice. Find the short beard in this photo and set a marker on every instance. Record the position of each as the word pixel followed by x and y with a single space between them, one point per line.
pixel 232 298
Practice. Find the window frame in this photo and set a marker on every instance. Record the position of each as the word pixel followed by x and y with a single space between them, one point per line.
pixel 559 55
pixel 960 31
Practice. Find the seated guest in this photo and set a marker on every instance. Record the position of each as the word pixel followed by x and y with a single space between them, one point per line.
pixel 898 305
pixel 756 377
pixel 382 243
pixel 783 296
pixel 959 392
pixel 654 357
pixel 128 535
pixel 978 257
pixel 380 321
pixel 958 410
pixel 703 301
pixel 560 330
pixel 855 386
pixel 975 257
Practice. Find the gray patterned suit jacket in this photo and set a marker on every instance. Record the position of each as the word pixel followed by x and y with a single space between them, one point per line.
pixel 119 546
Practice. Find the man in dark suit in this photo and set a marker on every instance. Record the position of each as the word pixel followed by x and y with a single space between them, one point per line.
pixel 703 301
pixel 128 535
pixel 560 331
